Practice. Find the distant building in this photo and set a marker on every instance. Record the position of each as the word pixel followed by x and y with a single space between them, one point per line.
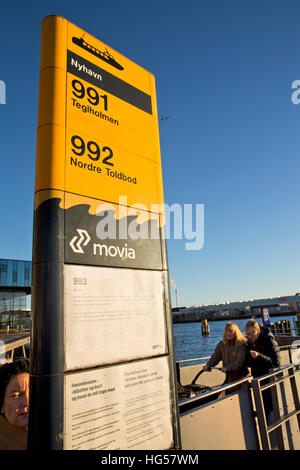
pixel 15 290
pixel 243 309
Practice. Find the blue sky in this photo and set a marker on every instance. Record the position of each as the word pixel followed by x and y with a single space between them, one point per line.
pixel 223 72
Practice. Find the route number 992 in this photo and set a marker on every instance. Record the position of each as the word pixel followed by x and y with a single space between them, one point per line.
pixel 79 148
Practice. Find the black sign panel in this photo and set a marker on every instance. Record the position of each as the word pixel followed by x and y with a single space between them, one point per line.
pixel 85 245
pixel 98 77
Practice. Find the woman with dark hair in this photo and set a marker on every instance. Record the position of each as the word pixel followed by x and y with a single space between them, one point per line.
pixel 14 402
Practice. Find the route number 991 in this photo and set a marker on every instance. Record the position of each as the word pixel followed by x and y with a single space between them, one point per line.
pixel 93 96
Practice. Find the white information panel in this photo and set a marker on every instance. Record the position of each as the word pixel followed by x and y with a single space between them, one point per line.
pixel 112 315
pixel 120 407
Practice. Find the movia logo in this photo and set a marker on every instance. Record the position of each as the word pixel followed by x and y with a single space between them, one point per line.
pixel 106 56
pixel 76 241
pixel 84 238
pixel 2 92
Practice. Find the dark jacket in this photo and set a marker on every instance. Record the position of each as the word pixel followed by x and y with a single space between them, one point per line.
pixel 268 350
pixel 12 437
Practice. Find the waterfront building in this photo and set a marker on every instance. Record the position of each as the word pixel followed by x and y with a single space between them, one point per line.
pixel 287 305
pixel 15 290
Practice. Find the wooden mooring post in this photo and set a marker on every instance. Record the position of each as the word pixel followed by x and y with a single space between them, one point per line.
pixel 205 328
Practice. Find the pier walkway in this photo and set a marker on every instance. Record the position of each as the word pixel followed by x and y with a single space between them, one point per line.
pixel 13 344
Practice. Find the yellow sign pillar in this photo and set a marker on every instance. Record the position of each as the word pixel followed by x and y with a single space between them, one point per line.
pixel 101 308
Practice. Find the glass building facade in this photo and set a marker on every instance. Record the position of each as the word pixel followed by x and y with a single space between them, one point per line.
pixel 15 290
pixel 15 273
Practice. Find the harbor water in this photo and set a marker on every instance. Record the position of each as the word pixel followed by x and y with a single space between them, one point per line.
pixel 189 342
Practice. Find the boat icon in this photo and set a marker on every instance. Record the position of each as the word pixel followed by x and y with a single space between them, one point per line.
pixel 106 56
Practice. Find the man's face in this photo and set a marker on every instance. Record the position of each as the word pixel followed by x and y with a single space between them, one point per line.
pixel 16 400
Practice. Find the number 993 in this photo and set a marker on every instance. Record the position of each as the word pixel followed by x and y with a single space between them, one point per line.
pixel 79 281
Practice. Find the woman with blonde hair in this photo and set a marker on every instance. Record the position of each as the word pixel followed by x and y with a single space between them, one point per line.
pixel 232 352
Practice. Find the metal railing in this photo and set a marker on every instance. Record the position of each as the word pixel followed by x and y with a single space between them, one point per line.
pixel 288 347
pixel 280 428
pixel 14 346
pixel 278 422
pixel 213 394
